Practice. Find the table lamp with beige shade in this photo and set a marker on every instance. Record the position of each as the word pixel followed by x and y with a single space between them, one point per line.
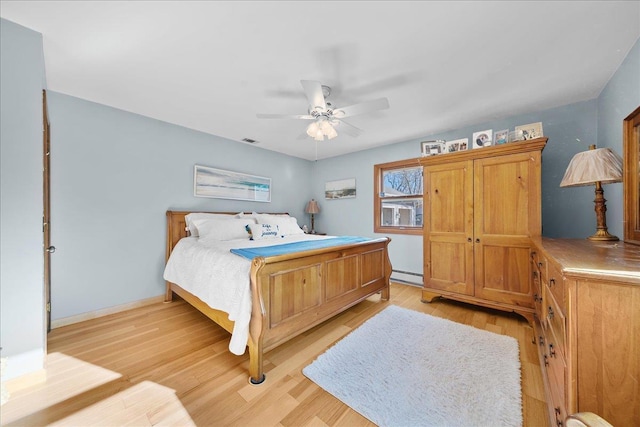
pixel 596 166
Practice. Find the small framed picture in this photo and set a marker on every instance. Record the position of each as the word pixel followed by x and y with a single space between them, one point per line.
pixel 501 137
pixel 432 148
pixel 457 145
pixel 515 136
pixel 482 138
pixel 531 131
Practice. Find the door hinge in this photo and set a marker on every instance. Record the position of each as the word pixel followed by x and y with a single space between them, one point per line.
pixel 48 307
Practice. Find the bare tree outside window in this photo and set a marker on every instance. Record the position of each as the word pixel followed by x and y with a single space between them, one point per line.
pixel 398 198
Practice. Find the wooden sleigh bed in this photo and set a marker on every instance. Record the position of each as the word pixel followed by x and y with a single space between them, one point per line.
pixel 294 292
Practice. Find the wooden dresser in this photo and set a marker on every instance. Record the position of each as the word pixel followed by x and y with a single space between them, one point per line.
pixel 587 327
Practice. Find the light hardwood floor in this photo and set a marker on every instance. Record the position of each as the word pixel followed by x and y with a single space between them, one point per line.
pixel 167 364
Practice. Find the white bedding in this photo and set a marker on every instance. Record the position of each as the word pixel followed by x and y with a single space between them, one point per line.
pixel 206 268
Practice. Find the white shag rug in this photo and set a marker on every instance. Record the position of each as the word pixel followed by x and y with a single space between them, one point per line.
pixel 406 368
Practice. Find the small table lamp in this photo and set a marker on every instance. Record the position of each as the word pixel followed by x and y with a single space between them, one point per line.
pixel 596 166
pixel 312 208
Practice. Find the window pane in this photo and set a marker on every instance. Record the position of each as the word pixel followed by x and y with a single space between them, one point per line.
pixel 402 182
pixel 402 213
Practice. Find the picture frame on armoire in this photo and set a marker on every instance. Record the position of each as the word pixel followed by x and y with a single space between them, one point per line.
pixel 483 138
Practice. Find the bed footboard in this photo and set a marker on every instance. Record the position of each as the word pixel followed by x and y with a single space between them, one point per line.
pixel 292 294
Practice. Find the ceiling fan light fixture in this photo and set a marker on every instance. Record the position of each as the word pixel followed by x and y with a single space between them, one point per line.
pixel 323 114
pixel 321 128
pixel 313 129
pixel 326 127
pixel 331 133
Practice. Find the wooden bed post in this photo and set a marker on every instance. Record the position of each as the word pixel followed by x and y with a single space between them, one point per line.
pixel 384 295
pixel 168 294
pixel 256 326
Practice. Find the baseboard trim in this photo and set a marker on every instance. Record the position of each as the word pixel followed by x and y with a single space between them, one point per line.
pixel 406 277
pixel 65 321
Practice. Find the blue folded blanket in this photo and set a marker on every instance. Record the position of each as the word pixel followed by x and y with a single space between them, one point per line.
pixel 288 248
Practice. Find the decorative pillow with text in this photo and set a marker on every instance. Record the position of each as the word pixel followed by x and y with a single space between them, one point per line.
pixel 264 231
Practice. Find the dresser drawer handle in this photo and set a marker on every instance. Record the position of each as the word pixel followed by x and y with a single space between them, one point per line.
pixel 550 315
pixel 552 350
pixel 546 360
pixel 558 419
pixel 541 339
pixel 552 282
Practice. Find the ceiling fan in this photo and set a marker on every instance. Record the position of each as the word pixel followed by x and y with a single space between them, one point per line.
pixel 325 117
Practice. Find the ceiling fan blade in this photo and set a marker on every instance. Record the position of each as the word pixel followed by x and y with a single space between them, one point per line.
pixel 349 129
pixel 313 90
pixel 362 108
pixel 285 116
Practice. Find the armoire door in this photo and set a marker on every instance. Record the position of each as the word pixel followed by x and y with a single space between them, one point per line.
pixel 448 227
pixel 506 216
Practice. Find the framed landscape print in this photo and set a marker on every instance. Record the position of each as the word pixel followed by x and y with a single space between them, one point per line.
pixel 340 189
pixel 223 184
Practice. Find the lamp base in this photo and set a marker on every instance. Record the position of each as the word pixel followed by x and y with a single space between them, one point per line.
pixel 601 219
pixel 603 236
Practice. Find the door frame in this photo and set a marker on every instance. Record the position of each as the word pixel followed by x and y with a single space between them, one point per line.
pixel 46 220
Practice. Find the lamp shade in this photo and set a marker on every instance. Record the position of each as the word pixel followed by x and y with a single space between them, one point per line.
pixel 595 165
pixel 312 207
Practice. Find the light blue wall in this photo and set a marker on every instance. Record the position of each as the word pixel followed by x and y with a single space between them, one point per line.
pixel 619 98
pixel 22 328
pixel 570 129
pixel 113 176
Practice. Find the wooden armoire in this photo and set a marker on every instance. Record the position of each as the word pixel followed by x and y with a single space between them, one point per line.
pixel 482 208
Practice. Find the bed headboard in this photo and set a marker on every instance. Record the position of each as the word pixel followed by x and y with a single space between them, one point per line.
pixel 177 226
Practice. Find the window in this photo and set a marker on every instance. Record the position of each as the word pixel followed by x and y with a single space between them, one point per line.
pixel 398 197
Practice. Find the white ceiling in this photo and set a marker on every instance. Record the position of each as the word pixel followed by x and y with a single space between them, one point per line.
pixel 211 66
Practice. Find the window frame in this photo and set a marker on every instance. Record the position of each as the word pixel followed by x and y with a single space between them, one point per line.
pixel 378 187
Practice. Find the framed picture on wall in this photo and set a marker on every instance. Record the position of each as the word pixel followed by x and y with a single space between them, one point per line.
pixel 223 184
pixel 340 189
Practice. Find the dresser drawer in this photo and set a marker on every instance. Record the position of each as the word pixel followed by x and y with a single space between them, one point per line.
pixel 556 284
pixel 555 321
pixel 557 403
pixel 555 370
pixel 537 293
pixel 540 262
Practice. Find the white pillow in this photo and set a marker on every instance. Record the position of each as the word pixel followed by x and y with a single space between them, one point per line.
pixel 264 231
pixel 223 229
pixel 192 217
pixel 288 225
